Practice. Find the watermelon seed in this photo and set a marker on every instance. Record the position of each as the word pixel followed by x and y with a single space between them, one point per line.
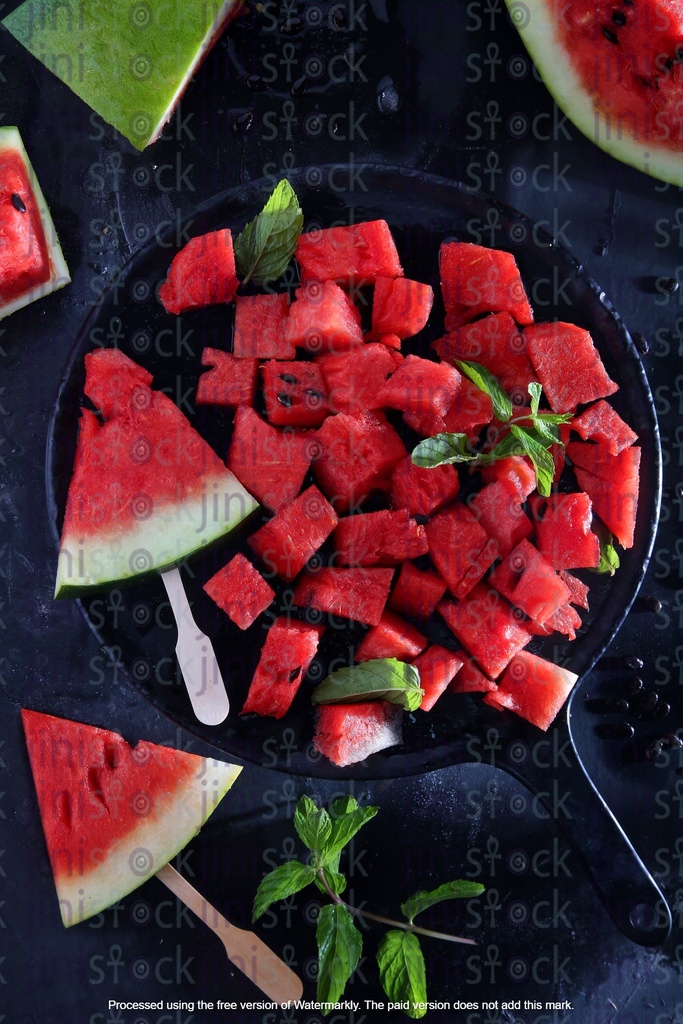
pixel 243 122
pixel 646 702
pixel 661 709
pixel 654 750
pixel 256 83
pixel 634 687
pixel 288 378
pixel 670 285
pixel 619 18
pixel 641 343
pixel 609 35
pixel 285 400
pixel 18 203
pixel 615 731
pixel 293 675
pixel 670 739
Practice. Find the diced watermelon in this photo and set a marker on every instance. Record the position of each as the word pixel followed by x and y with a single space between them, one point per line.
pixel 354 379
pixel 378 538
pixel 421 386
pixel 294 393
pixel 350 254
pixel 270 463
pixel 613 487
pixel 231 381
pixel 423 491
pixel 358 456
pixel 499 512
pixel 567 364
pixel 400 306
pixel 416 593
pixel 533 688
pixel 456 542
pixel 486 626
pixel 471 410
pixel 358 594
pixel 437 667
pixel 392 637
pixel 470 679
pixel 390 340
pixel 348 733
pixel 497 343
pixel 578 591
pixel 477 280
pixel 565 620
pixel 288 651
pixel 323 318
pixel 240 590
pixel 529 582
pixel 563 530
pixel 516 472
pixel 286 542
pixel 201 274
pixel 600 422
pixel 260 327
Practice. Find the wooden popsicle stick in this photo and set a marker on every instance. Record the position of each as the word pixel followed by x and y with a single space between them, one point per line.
pixel 245 950
pixel 196 657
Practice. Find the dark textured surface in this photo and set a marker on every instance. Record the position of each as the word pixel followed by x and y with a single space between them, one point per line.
pixel 445 88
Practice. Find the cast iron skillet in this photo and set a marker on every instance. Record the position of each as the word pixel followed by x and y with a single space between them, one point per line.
pixel 135 625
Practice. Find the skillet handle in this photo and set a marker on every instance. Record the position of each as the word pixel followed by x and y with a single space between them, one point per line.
pixel 626 888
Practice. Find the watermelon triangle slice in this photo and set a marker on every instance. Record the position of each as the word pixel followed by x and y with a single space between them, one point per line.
pixel 113 814
pixel 146 489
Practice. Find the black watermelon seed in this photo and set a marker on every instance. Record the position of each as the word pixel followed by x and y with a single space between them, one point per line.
pixel 652 603
pixel 256 83
pixel 646 701
pixel 301 85
pixel 294 674
pixel 641 343
pixel 316 395
pixel 661 709
pixel 288 378
pixel 18 203
pixel 670 739
pixel 635 686
pixel 654 750
pixel 669 285
pixel 243 122
pixel 609 35
pixel 619 18
pixel 615 731
pixel 285 400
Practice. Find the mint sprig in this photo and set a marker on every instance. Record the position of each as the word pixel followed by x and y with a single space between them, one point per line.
pixel 265 246
pixel 378 679
pixel 609 558
pixel 486 382
pixel 340 942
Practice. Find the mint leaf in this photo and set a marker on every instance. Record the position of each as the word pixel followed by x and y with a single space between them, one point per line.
pixel 312 823
pixel 443 449
pixel 335 880
pixel 546 433
pixel 535 391
pixel 485 381
pixel 284 881
pixel 339 949
pixel 609 558
pixel 381 678
pixel 345 828
pixel 402 970
pixel 458 890
pixel 541 458
pixel 265 246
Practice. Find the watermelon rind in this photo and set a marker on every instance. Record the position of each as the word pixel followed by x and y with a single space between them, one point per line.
pixel 537 23
pixel 130 62
pixel 10 139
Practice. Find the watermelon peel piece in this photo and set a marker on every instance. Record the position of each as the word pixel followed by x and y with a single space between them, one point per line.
pixel 113 815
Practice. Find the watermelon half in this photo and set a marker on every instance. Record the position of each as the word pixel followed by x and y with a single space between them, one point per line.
pixel 113 814
pixel 614 69
pixel 146 489
pixel 31 260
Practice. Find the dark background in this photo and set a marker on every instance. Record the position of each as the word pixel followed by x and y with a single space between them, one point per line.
pixel 447 88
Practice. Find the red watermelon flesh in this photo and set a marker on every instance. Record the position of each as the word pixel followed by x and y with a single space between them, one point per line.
pixel 612 482
pixel 477 280
pixel 358 594
pixel 269 462
pixel 416 592
pixel 497 343
pixel 294 393
pixel 470 679
pixel 114 815
pixel 146 489
pixel 516 472
pixel 230 381
pixel 240 590
pixel 471 410
pixel 350 254
pixel 378 538
pixel 487 627
pixel 602 423
pixel 499 512
pixel 358 456
pixel 390 340
pixel 323 318
pixel 578 591
pixel 201 274
pixel 260 327
pixel 533 688
pixel 568 365
pixel 400 306
pixel 354 379
pixel 285 658
pixel 348 733
pixel 530 582
pixel 565 620
pixel 392 637
pixel 456 542
pixel 286 542
pixel 437 667
pixel 421 386
pixel 423 491
pixel 563 530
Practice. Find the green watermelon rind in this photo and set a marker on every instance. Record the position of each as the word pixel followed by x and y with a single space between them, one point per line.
pixel 10 139
pixel 536 24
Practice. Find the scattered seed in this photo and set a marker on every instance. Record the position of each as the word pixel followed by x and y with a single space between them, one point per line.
pixel 285 400
pixel 646 701
pixel 256 83
pixel 294 673
pixel 288 378
pixel 641 343
pixel 619 18
pixel 243 122
pixel 615 730
pixel 654 750
pixel 609 35
pixel 671 739
pixel 316 395
pixel 669 285
pixel 652 603
pixel 301 85
pixel 634 687
pixel 661 709
pixel 18 203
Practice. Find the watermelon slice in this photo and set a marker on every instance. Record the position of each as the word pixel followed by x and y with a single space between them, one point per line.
pixel 260 327
pixel 294 393
pixel 287 653
pixel 416 592
pixel 533 688
pixel 437 667
pixel 602 423
pixel 400 307
pixel 496 342
pixel 378 538
pixel 114 815
pixel 285 543
pixel 354 379
pixel 270 463
pixel 323 318
pixel 477 280
pixel 31 261
pixel 358 594
pixel 486 626
pixel 392 637
pixel 201 274
pixel 146 489
pixel 240 590
pixel 230 381
pixel 130 62
pixel 348 733
pixel 568 365
pixel 354 254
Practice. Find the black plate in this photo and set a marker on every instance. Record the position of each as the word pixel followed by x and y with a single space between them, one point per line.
pixel 135 622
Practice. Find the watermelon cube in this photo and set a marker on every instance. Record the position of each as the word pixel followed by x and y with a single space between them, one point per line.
pixel 516 472
pixel 288 651
pixel 260 327
pixel 354 379
pixel 323 318
pixel 230 381
pixel 565 620
pixel 529 582
pixel 578 591
pixel 421 386
pixel 416 592
pixel 471 410
pixel 458 547
pixel 357 253
pixel 563 530
pixel 487 627
pixel 358 594
pixel 423 491
pixel 470 679
pixel 533 688
pixel 601 423
pixel 358 456
pixel 392 637
pixel 612 481
pixel 477 280
pixel 499 511
pixel 437 667
pixel 497 343
pixel 348 733
pixel 400 307
pixel 390 340
pixel 378 538
pixel 240 590
pixel 294 393
pixel 286 542
pixel 270 463
pixel 567 364
pixel 201 274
